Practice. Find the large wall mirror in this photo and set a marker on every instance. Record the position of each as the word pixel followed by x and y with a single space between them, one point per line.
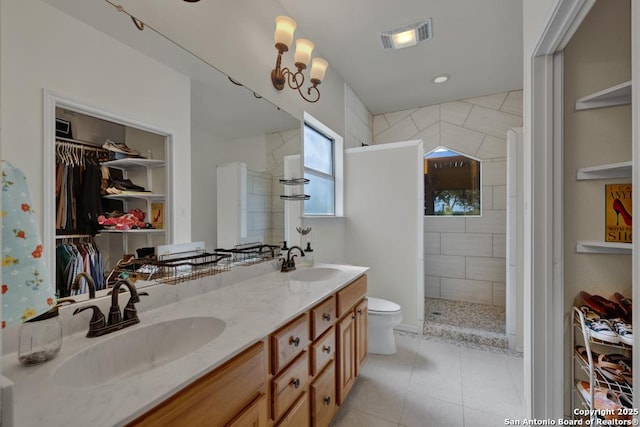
pixel 230 126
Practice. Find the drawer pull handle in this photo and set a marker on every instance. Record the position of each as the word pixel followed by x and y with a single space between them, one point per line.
pixel 296 383
pixel 359 311
pixel 295 341
pixel 327 317
pixel 326 349
pixel 327 400
pixel 353 316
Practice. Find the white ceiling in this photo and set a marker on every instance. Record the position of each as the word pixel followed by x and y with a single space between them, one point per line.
pixel 477 42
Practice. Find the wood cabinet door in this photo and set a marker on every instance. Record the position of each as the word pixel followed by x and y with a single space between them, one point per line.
pixel 254 415
pixel 361 335
pixel 298 415
pixel 346 358
pixel 323 397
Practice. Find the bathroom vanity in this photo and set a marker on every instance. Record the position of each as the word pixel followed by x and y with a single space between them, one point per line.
pixel 285 352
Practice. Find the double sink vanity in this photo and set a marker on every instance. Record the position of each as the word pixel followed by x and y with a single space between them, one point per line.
pixel 252 346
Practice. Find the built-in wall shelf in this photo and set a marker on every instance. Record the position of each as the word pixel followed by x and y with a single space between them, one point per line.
pixel 135 231
pixel 600 247
pixel 135 196
pixel 610 97
pixel 611 170
pixel 133 162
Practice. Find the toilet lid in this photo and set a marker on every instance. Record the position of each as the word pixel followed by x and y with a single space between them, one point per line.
pixel 380 305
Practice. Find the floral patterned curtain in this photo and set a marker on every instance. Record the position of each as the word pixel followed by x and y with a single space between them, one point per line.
pixel 26 290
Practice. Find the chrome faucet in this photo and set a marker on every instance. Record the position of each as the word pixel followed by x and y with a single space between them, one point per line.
pixel 98 326
pixel 289 263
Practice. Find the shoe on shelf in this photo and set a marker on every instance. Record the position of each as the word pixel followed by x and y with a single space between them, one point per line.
pixel 607 402
pixel 624 304
pixel 113 190
pixel 119 147
pixel 624 331
pixel 612 370
pixel 602 330
pixel 600 305
pixel 589 315
pixel 127 185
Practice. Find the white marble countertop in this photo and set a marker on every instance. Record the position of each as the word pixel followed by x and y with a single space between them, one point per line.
pixel 250 308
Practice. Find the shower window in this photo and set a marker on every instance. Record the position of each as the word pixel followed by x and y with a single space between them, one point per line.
pixel 451 184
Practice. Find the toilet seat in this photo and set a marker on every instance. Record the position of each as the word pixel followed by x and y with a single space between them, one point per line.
pixel 382 306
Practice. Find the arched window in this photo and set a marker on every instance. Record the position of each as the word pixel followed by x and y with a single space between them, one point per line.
pixel 451 184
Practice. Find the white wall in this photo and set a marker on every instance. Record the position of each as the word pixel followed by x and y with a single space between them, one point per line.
pixel 464 257
pixel 56 52
pixel 383 205
pixel 358 121
pixel 207 152
pixel 261 153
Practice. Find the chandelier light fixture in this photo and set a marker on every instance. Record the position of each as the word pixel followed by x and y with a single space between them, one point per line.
pixel 285 28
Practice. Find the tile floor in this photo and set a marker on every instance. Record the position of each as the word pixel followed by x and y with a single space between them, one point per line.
pixel 430 383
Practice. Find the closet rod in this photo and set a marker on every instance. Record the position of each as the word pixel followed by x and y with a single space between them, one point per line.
pixel 74 236
pixel 87 145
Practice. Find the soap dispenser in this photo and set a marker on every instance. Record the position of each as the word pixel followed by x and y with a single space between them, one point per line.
pixel 308 256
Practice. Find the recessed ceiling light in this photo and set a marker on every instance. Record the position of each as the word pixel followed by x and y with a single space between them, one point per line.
pixel 407 35
pixel 441 79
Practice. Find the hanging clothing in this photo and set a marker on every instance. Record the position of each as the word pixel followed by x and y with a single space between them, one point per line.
pixel 78 181
pixel 73 258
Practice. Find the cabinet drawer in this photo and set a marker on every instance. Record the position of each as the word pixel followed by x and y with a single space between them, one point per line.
pixel 288 342
pixel 323 397
pixel 289 384
pixel 323 350
pixel 323 316
pixel 215 399
pixel 298 415
pixel 349 296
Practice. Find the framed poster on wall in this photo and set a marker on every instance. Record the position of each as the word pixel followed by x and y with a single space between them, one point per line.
pixel 618 219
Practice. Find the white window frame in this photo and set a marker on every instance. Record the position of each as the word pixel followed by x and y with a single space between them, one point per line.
pixel 338 165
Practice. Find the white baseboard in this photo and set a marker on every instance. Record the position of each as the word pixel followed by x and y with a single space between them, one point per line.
pixel 408 328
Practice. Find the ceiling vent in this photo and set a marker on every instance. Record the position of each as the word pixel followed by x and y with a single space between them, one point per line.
pixel 407 35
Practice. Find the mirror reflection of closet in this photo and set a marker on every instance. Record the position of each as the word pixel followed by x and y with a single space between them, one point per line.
pixel 103 208
pixel 229 123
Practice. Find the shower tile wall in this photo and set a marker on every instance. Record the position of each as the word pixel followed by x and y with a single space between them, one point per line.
pixel 464 257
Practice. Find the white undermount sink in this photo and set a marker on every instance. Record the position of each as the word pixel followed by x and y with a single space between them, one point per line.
pixel 137 350
pixel 314 274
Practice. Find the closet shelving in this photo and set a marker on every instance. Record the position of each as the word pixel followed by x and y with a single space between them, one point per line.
pixel 610 97
pixel 608 171
pixel 590 367
pixel 615 95
pixel 600 247
pixel 126 165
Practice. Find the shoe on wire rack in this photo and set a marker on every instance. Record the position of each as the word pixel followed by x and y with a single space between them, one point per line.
pixel 602 330
pixel 624 331
pixel 119 147
pixel 610 403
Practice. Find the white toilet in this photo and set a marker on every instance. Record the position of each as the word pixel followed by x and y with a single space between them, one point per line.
pixel 383 316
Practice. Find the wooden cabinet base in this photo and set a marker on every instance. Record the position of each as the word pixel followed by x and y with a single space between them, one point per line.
pixel 217 398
